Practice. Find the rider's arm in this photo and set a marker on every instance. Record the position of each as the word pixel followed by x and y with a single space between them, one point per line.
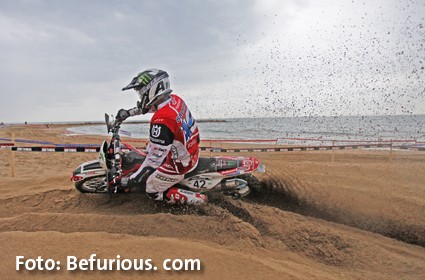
pixel 134 111
pixel 161 140
pixel 123 114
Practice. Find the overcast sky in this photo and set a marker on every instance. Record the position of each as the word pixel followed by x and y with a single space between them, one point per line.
pixel 68 60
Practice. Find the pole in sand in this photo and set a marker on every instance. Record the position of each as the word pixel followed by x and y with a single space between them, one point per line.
pixel 12 155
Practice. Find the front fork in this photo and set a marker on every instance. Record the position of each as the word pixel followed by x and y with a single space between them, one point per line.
pixel 115 172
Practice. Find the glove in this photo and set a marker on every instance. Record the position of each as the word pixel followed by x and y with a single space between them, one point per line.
pixel 122 115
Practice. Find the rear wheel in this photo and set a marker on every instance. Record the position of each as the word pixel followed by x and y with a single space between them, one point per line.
pixel 253 183
pixel 92 185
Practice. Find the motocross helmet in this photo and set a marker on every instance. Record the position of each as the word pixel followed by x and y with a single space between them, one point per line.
pixel 150 85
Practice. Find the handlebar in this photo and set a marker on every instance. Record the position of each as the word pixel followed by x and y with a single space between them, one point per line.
pixel 113 127
pixel 116 125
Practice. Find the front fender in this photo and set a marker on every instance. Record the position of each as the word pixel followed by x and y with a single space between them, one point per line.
pixel 86 170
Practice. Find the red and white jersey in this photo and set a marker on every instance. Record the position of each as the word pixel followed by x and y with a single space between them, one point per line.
pixel 174 138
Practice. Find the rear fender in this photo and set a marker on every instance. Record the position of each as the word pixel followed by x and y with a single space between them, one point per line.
pixel 249 164
pixel 245 165
pixel 86 170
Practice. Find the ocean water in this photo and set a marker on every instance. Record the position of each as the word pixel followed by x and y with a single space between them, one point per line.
pixel 314 130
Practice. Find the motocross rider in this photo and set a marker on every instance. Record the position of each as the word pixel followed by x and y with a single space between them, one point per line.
pixel 174 139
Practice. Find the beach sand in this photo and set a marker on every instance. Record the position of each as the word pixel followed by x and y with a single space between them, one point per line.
pixel 346 214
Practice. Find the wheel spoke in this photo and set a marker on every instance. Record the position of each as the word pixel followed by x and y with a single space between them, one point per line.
pixel 94 184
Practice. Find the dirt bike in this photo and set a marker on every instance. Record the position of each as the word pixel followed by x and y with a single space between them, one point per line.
pixel 117 160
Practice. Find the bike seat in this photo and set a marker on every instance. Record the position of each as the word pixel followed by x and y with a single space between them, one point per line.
pixel 214 164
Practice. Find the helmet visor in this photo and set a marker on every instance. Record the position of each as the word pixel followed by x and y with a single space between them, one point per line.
pixel 133 84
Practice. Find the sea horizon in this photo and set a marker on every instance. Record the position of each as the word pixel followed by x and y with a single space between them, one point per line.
pixel 131 120
pixel 321 128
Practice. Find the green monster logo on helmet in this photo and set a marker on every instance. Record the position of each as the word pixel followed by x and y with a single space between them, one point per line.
pixel 144 79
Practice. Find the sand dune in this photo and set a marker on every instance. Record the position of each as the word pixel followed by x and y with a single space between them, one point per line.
pixel 323 215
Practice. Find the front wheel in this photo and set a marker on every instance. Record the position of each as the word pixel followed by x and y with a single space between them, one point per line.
pixel 92 185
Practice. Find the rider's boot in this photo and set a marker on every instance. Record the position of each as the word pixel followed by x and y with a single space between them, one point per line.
pixel 176 195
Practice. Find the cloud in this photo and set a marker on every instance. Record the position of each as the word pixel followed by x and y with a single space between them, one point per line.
pixel 238 58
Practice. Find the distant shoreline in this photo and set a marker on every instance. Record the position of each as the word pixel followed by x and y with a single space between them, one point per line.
pixel 84 123
pixel 222 120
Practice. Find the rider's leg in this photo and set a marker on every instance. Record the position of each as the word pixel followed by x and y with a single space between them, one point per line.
pixel 159 187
